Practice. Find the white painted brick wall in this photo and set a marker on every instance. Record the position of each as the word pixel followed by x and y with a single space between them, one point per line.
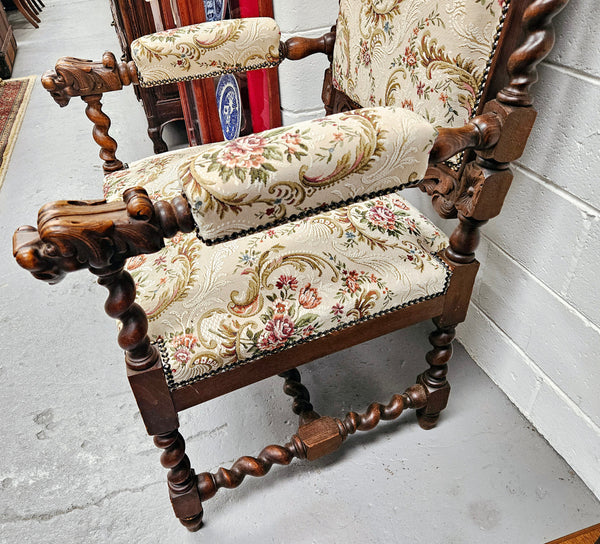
pixel 301 81
pixel 534 324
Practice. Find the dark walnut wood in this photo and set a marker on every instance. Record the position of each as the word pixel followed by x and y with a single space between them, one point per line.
pixel 294 388
pixel 313 440
pixel 88 79
pixel 183 490
pixel 539 39
pixel 297 48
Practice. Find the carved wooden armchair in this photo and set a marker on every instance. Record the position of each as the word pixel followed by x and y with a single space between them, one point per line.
pixel 235 261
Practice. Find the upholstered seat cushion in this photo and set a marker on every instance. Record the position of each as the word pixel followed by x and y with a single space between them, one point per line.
pixel 206 50
pixel 213 308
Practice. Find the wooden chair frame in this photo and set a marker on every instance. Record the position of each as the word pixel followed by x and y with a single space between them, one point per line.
pixel 100 236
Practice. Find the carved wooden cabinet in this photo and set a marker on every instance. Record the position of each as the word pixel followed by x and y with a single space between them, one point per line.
pixel 162 105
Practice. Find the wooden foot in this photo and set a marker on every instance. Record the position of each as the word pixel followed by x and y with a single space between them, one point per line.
pixel 159 145
pixel 181 480
pixel 302 406
pixel 434 378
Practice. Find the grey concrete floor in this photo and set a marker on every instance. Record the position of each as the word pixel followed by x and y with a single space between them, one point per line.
pixel 77 466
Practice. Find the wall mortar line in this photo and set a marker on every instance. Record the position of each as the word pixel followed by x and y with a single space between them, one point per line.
pixel 544 286
pixel 544 377
pixel 573 199
pixel 573 72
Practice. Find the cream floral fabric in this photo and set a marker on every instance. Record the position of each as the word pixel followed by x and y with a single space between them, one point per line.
pixel 213 308
pixel 286 172
pixel 206 50
pixel 428 56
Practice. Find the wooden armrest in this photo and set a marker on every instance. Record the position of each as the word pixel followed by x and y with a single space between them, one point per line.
pixel 79 77
pixel 94 234
pixel 297 48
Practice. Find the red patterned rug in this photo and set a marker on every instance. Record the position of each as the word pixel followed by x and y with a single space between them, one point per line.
pixel 14 97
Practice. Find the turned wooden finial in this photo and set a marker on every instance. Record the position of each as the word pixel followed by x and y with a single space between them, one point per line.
pixel 539 39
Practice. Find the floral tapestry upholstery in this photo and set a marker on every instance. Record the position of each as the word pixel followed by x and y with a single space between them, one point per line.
pixel 258 180
pixel 211 308
pixel 431 57
pixel 206 50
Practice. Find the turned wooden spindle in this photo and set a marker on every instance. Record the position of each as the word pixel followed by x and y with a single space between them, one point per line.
pixel 537 26
pixel 434 378
pixel 297 48
pixel 313 440
pixel 180 479
pixel 293 387
pixel 108 145
pixel 121 305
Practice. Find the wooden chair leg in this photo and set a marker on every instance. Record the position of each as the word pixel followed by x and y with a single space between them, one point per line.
pixel 27 13
pixel 159 145
pixel 302 406
pixel 32 7
pixel 434 378
pixel 181 479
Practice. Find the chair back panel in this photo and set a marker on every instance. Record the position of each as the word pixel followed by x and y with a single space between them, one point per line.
pixel 430 56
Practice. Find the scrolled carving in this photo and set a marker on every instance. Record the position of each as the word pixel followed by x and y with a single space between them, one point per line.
pixel 95 234
pixel 539 39
pixel 440 184
pixel 80 77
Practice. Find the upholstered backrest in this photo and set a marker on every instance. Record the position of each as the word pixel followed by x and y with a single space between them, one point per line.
pixel 431 56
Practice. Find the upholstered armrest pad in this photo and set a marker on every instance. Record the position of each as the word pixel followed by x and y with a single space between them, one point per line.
pixel 206 50
pixel 258 181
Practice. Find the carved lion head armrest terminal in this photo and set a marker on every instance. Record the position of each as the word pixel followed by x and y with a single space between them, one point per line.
pixel 94 234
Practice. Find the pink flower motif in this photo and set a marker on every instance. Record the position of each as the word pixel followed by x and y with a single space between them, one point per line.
pixel 381 216
pixel 444 98
pixel 338 137
pixel 420 89
pixel 337 309
pixel 401 204
pixel 309 297
pixel 280 307
pixel 287 280
pixel 246 152
pixel 276 333
pixel 292 141
pixel 409 57
pixel 184 345
pixel 352 281
pixel 308 330
pixel 248 144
